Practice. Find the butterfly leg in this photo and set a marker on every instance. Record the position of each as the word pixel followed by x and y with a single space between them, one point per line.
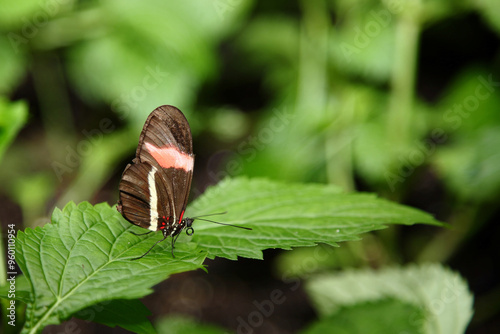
pixel 174 239
pixel 140 233
pixel 149 250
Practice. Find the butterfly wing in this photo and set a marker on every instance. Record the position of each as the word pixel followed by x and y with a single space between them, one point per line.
pixel 158 181
pixel 166 139
pixel 135 196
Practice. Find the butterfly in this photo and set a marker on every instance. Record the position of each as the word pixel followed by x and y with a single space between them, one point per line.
pixel 154 188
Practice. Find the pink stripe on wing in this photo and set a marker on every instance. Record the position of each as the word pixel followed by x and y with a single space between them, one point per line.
pixel 171 157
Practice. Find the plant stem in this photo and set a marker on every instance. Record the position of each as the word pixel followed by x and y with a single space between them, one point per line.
pixel 399 120
pixel 442 247
pixel 313 95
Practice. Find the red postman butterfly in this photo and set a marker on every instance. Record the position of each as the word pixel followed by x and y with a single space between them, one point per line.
pixel 154 188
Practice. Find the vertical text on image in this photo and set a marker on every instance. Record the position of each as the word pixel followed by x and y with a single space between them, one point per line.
pixel 11 273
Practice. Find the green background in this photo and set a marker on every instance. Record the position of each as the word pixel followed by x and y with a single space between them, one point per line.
pixel 399 98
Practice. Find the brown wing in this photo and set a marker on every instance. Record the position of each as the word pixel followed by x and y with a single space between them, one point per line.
pixel 167 144
pixel 166 126
pixel 173 193
pixel 135 197
pixel 154 189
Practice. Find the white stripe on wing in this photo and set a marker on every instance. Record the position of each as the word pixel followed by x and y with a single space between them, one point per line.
pixel 153 199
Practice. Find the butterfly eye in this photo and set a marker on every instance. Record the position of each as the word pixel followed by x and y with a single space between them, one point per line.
pixel 189 222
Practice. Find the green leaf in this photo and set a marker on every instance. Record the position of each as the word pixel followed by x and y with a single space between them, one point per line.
pixel 13 116
pixel 83 258
pixel 182 60
pixel 22 292
pixel 373 59
pixel 285 215
pixel 442 296
pixel 128 314
pixel 471 166
pixel 305 261
pixel 469 162
pixel 12 66
pixel 384 316
pixel 19 13
pixel 490 10
pixel 182 324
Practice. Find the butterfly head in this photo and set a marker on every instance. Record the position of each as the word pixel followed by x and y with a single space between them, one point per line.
pixel 174 229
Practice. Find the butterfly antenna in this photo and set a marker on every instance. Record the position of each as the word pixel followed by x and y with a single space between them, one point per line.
pixel 210 214
pixel 149 250
pixel 212 221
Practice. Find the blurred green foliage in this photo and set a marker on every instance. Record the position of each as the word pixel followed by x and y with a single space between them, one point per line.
pixel 314 91
pixel 13 116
